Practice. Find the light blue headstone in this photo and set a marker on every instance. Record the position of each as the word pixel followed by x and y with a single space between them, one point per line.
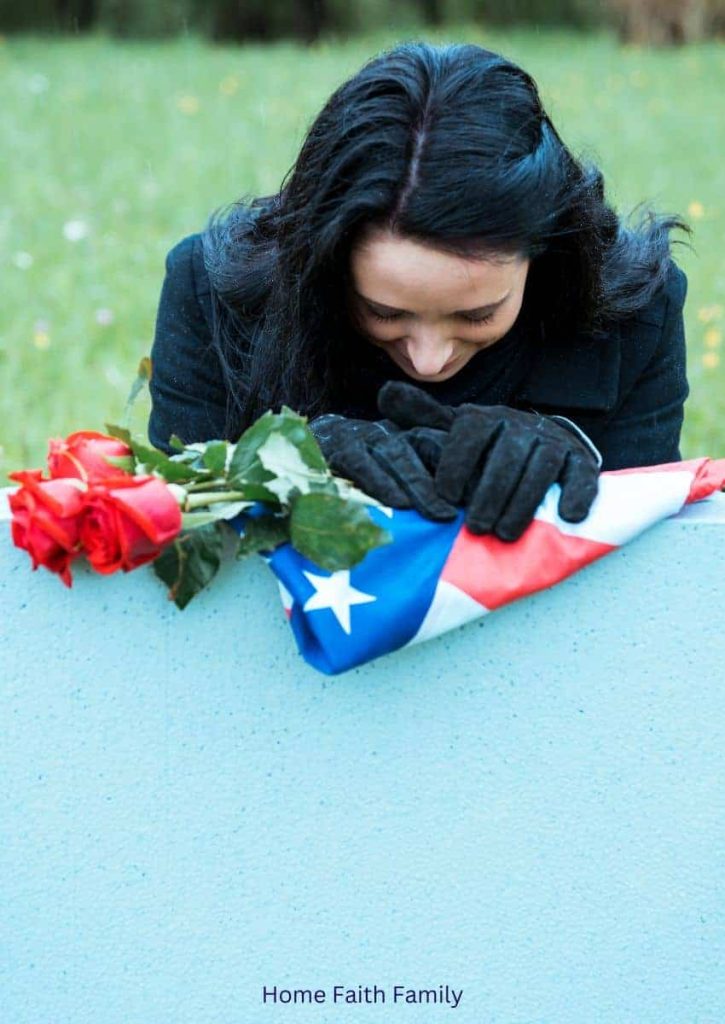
pixel 530 808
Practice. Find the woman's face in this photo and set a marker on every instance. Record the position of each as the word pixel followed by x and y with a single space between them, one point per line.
pixel 430 311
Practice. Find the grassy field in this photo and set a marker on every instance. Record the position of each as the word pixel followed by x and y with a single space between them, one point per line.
pixel 118 150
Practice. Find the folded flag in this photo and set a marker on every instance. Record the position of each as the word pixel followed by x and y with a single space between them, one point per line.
pixel 436 576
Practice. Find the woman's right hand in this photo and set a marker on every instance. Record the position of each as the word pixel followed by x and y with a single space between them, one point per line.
pixel 500 462
pixel 393 465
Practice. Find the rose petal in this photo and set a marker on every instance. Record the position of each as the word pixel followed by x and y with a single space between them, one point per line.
pixel 62 496
pixel 151 505
pixel 82 454
pixel 99 536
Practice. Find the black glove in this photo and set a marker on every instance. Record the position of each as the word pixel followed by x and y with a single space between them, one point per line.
pixel 393 465
pixel 500 462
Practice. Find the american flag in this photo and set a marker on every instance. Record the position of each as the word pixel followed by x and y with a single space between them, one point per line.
pixel 436 576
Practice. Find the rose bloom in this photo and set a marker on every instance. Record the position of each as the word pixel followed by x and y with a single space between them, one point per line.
pixel 81 455
pixel 46 520
pixel 126 522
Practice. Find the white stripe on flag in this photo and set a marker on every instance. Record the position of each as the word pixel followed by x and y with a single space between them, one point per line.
pixel 287 599
pixel 625 505
pixel 449 608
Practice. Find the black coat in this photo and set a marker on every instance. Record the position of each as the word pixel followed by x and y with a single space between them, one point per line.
pixel 625 389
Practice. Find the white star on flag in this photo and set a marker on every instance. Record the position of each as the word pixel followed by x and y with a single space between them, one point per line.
pixel 334 592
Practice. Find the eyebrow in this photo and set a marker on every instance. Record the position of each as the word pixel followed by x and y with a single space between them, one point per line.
pixel 478 309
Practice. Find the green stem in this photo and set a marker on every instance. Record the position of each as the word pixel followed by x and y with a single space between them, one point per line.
pixel 212 498
pixel 202 484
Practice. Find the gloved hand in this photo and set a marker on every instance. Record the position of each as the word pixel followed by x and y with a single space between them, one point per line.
pixel 499 462
pixel 395 466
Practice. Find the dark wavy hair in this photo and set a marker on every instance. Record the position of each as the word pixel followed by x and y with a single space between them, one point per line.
pixel 448 145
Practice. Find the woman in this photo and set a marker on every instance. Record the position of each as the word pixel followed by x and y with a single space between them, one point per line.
pixel 441 287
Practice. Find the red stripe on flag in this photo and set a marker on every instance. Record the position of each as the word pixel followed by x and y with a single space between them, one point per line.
pixel 709 478
pixel 494 572
pixel 686 466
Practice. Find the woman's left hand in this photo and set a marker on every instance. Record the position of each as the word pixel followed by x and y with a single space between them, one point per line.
pixel 392 465
pixel 499 462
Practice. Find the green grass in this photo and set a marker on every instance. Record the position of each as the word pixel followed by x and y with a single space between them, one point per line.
pixel 97 132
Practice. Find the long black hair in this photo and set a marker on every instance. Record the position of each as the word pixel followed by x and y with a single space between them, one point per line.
pixel 450 146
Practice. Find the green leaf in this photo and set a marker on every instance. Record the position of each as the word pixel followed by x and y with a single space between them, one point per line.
pixel 284 459
pixel 166 466
pixel 215 456
pixel 143 376
pixel 277 453
pixel 346 489
pixel 333 533
pixel 176 442
pixel 221 510
pixel 246 472
pixel 125 462
pixel 190 562
pixel 191 454
pixel 263 533
pixel 295 428
pixel 120 432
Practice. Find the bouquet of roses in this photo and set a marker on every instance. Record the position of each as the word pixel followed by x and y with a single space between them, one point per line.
pixel 390 577
pixel 121 503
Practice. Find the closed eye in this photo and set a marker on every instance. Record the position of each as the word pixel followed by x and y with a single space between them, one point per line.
pixel 390 316
pixel 469 319
pixel 478 319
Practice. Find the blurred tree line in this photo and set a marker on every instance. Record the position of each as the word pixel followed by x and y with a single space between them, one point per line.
pixel 641 21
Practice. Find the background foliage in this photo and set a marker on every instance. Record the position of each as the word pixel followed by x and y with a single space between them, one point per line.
pixel 119 148
pixel 638 20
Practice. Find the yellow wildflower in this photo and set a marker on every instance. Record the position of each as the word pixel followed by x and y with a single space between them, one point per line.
pixel 229 85
pixel 710 360
pixel 708 313
pixel 188 104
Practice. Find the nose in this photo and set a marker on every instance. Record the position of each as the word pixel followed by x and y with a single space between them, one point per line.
pixel 428 352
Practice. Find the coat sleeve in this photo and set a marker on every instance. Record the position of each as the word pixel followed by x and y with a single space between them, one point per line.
pixel 645 428
pixel 188 396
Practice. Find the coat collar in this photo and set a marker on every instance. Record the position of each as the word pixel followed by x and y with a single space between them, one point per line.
pixel 582 373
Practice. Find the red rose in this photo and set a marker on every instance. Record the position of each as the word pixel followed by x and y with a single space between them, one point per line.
pixel 81 455
pixel 126 522
pixel 46 520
